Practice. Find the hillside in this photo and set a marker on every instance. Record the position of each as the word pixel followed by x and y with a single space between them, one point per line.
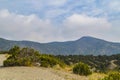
pixel 100 63
pixel 39 73
pixel 84 46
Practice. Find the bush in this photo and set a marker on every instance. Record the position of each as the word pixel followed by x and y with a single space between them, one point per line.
pixel 9 62
pixel 3 52
pixel 50 61
pixel 29 57
pixel 22 57
pixel 81 69
pixel 112 76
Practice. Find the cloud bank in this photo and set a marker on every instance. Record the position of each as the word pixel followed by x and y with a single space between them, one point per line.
pixel 59 20
pixel 31 27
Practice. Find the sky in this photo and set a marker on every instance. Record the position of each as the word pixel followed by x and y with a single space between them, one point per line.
pixel 59 20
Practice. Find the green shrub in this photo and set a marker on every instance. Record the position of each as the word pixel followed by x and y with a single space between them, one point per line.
pixel 20 62
pixel 50 61
pixel 3 52
pixel 21 57
pixel 81 69
pixel 9 62
pixel 29 57
pixel 112 76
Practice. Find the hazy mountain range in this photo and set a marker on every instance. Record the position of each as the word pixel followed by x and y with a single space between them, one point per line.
pixel 83 46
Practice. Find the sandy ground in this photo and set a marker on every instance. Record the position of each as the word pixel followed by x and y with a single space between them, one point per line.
pixel 35 73
pixel 2 58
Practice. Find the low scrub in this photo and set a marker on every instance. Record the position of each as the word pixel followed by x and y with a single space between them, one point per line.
pixel 30 57
pixel 21 57
pixel 3 52
pixel 50 61
pixel 112 76
pixel 82 69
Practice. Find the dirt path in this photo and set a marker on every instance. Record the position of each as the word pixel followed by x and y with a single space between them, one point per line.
pixel 112 64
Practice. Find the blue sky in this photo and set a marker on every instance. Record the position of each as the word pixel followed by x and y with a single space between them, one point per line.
pixel 59 20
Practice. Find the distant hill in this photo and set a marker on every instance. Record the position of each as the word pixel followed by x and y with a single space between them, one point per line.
pixel 83 46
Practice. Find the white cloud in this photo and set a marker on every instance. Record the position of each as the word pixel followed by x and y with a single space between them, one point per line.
pixel 59 20
pixel 80 25
pixel 31 27
pixel 80 20
pixel 115 6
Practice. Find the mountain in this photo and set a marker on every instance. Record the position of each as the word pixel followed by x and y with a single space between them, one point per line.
pixel 83 46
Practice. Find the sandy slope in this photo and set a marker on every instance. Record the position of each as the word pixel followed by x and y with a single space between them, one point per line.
pixel 36 73
pixel 27 73
pixel 2 58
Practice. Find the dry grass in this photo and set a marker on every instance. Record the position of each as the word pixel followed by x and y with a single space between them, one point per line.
pixel 96 76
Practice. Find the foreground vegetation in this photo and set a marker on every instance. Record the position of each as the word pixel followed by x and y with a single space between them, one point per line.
pixel 112 76
pixel 82 65
pixel 3 52
pixel 82 69
pixel 30 57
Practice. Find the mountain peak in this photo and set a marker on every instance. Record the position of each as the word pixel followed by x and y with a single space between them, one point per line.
pixel 87 38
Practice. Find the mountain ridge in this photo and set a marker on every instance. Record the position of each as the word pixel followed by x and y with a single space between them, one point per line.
pixel 86 45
